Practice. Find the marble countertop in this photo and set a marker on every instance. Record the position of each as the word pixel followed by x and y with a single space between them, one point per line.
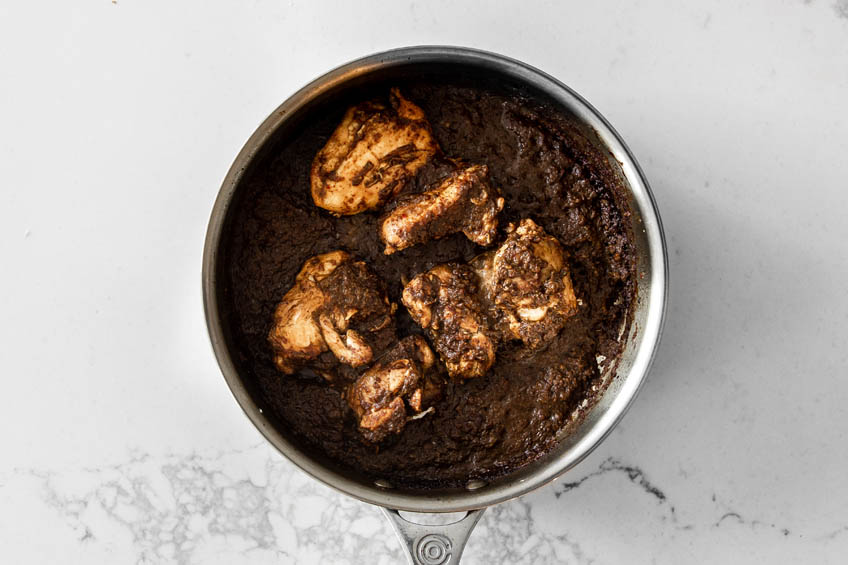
pixel 121 442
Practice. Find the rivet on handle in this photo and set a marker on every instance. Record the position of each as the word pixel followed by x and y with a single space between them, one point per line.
pixel 433 549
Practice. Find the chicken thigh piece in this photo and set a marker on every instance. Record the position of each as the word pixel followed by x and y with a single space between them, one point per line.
pixel 445 301
pixel 295 337
pixel 336 303
pixel 371 155
pixel 463 202
pixel 528 283
pixel 399 384
pixel 356 318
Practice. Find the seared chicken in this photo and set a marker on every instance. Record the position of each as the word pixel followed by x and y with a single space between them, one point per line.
pixel 446 302
pixel 371 155
pixel 336 303
pixel 393 387
pixel 528 283
pixel 357 316
pixel 522 290
pixel 464 202
pixel 295 336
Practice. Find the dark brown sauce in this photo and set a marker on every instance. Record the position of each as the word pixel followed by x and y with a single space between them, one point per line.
pixel 482 427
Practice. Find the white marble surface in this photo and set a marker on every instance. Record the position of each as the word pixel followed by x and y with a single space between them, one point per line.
pixel 120 440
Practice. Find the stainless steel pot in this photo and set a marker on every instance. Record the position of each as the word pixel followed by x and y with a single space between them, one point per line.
pixel 444 544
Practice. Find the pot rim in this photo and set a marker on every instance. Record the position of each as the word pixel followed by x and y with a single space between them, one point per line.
pixel 649 331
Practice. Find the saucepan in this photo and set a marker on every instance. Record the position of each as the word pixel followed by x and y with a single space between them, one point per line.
pixel 440 544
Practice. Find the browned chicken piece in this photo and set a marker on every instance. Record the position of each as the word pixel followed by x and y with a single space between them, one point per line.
pixel 397 385
pixel 336 303
pixel 446 302
pixel 356 319
pixel 528 283
pixel 295 336
pixel 463 202
pixel 371 155
pixel 522 290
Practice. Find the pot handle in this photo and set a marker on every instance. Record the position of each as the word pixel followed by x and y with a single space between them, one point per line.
pixel 433 545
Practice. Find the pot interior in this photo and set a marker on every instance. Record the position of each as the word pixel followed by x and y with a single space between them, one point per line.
pixel 621 380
